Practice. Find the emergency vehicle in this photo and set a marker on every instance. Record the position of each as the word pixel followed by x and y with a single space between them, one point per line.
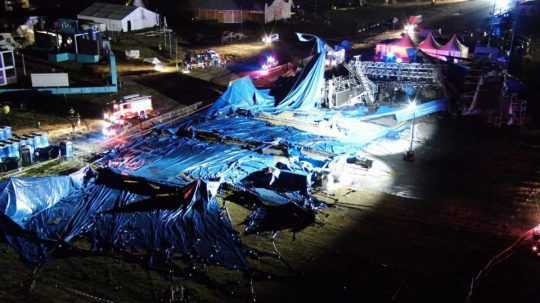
pixel 128 107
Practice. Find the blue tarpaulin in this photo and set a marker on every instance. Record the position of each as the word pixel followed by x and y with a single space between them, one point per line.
pixel 305 94
pixel 37 215
pixel 308 91
pixel 193 225
pixel 166 161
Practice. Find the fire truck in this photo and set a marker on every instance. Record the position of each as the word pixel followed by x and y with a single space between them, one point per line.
pixel 128 107
pixel 125 112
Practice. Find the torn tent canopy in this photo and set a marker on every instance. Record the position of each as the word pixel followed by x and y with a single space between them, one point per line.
pixel 196 228
pixel 173 160
pixel 305 94
pixel 284 200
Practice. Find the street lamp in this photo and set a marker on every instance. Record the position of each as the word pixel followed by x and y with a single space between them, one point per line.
pixel 411 108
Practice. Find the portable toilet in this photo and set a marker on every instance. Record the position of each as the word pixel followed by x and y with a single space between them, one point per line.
pixel 26 155
pixel 14 145
pixel 41 139
pixel 20 139
pixel 66 149
pixel 4 150
pixel 37 140
pixel 29 140
pixel 44 140
pixel 7 132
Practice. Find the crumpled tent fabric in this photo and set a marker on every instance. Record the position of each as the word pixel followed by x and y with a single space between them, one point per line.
pixel 38 215
pixel 242 94
pixel 305 94
pixel 308 91
pixel 248 129
pixel 20 198
pixel 284 200
pixel 196 228
pixel 167 161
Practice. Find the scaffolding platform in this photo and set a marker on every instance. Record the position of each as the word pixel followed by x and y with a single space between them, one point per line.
pixel 414 73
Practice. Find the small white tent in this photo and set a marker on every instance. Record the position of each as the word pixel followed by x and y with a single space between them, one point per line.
pixel 120 18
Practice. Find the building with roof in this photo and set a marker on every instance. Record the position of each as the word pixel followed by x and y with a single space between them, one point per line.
pixel 120 18
pixel 240 11
pixel 8 71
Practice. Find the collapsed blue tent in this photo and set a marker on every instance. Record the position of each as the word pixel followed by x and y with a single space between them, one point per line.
pixel 190 224
pixel 169 159
pixel 242 94
pixel 308 91
pixel 39 216
pixel 305 94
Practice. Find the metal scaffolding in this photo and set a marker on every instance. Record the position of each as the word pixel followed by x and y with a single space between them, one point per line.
pixel 369 88
pixel 415 73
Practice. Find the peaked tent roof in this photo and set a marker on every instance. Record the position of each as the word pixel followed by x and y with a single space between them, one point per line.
pixel 404 41
pixel 453 44
pixel 108 11
pixel 429 42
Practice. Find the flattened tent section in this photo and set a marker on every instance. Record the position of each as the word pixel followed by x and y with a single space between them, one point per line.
pixel 188 222
pixel 402 48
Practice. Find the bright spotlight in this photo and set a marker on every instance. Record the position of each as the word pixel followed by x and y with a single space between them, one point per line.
pixel 271 60
pixel 269 38
pixel 502 7
pixel 409 29
pixel 412 106
pixel 159 67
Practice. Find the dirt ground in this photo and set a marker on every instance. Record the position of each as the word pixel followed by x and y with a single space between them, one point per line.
pixel 478 195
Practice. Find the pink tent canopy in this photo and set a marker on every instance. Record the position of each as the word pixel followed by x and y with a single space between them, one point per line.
pixel 429 43
pixel 430 46
pixel 398 48
pixel 454 48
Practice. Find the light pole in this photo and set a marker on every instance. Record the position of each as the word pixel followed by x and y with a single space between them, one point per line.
pixel 409 155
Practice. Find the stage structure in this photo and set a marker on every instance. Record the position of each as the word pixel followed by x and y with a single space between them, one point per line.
pixel 367 78
pixel 414 73
pixel 355 88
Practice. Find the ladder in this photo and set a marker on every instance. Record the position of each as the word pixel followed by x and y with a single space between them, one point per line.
pixel 356 68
